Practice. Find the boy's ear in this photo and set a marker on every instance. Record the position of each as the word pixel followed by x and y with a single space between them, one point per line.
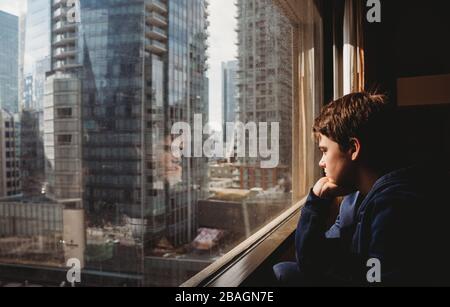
pixel 355 149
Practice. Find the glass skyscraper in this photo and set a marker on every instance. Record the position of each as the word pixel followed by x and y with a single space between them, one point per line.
pixel 121 77
pixel 37 50
pixel 9 66
pixel 100 96
pixel 36 63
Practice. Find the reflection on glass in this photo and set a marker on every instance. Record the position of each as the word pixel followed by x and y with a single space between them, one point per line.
pixel 89 168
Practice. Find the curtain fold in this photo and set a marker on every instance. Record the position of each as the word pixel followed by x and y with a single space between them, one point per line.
pixel 353 48
pixel 349 75
pixel 308 90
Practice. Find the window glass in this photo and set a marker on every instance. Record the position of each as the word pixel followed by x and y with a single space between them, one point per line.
pixel 153 137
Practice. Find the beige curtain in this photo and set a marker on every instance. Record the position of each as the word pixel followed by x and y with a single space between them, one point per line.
pixel 353 49
pixel 308 67
pixel 308 95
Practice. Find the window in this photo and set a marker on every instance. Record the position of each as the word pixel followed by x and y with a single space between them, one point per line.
pixel 65 139
pixel 138 209
pixel 64 113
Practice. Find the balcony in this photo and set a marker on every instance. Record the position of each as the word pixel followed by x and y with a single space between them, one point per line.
pixel 156 33
pixel 64 39
pixel 157 6
pixel 66 65
pixel 156 47
pixel 61 27
pixel 62 53
pixel 156 19
pixel 59 13
pixel 59 2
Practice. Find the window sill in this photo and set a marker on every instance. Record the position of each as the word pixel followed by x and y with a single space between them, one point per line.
pixel 237 265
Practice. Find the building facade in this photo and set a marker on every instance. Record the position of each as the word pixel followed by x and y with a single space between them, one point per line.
pixel 121 75
pixel 229 93
pixel 36 63
pixel 10 184
pixel 265 73
pixel 9 62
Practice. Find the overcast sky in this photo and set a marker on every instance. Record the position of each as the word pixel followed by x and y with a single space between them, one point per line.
pixel 222 48
pixel 12 6
pixel 222 42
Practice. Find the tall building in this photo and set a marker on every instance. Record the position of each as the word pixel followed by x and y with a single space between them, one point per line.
pixel 9 66
pixel 229 93
pixel 31 153
pixel 121 75
pixel 10 184
pixel 62 109
pixel 265 72
pixel 21 59
pixel 187 95
pixel 37 51
pixel 36 63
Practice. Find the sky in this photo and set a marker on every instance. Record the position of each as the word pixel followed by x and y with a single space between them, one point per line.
pixel 12 6
pixel 222 42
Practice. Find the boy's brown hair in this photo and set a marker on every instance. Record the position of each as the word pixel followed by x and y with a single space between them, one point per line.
pixel 365 116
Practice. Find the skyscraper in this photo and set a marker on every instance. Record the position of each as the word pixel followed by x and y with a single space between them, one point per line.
pixel 9 66
pixel 265 75
pixel 10 184
pixel 121 75
pixel 229 93
pixel 37 51
pixel 36 63
pixel 21 59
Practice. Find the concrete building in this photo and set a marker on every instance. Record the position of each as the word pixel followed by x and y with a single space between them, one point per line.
pixel 10 184
pixel 265 70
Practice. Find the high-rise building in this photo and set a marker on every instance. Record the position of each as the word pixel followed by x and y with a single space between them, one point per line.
pixel 37 53
pixel 100 96
pixel 21 59
pixel 9 66
pixel 265 73
pixel 121 75
pixel 62 109
pixel 229 93
pixel 10 184
pixel 31 147
pixel 36 63
pixel 187 95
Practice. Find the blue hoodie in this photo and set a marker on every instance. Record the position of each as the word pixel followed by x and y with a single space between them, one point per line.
pixel 401 223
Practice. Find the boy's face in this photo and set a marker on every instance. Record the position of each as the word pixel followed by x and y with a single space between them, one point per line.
pixel 338 165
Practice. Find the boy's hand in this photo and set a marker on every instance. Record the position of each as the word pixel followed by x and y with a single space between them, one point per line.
pixel 325 188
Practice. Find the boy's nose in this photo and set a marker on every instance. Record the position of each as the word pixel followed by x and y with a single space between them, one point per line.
pixel 322 164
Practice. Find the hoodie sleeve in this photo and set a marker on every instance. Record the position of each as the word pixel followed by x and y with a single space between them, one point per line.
pixel 310 240
pixel 322 255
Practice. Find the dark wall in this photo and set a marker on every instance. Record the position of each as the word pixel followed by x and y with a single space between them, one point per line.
pixel 412 40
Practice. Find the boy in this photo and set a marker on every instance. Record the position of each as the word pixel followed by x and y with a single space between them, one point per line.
pixel 392 215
